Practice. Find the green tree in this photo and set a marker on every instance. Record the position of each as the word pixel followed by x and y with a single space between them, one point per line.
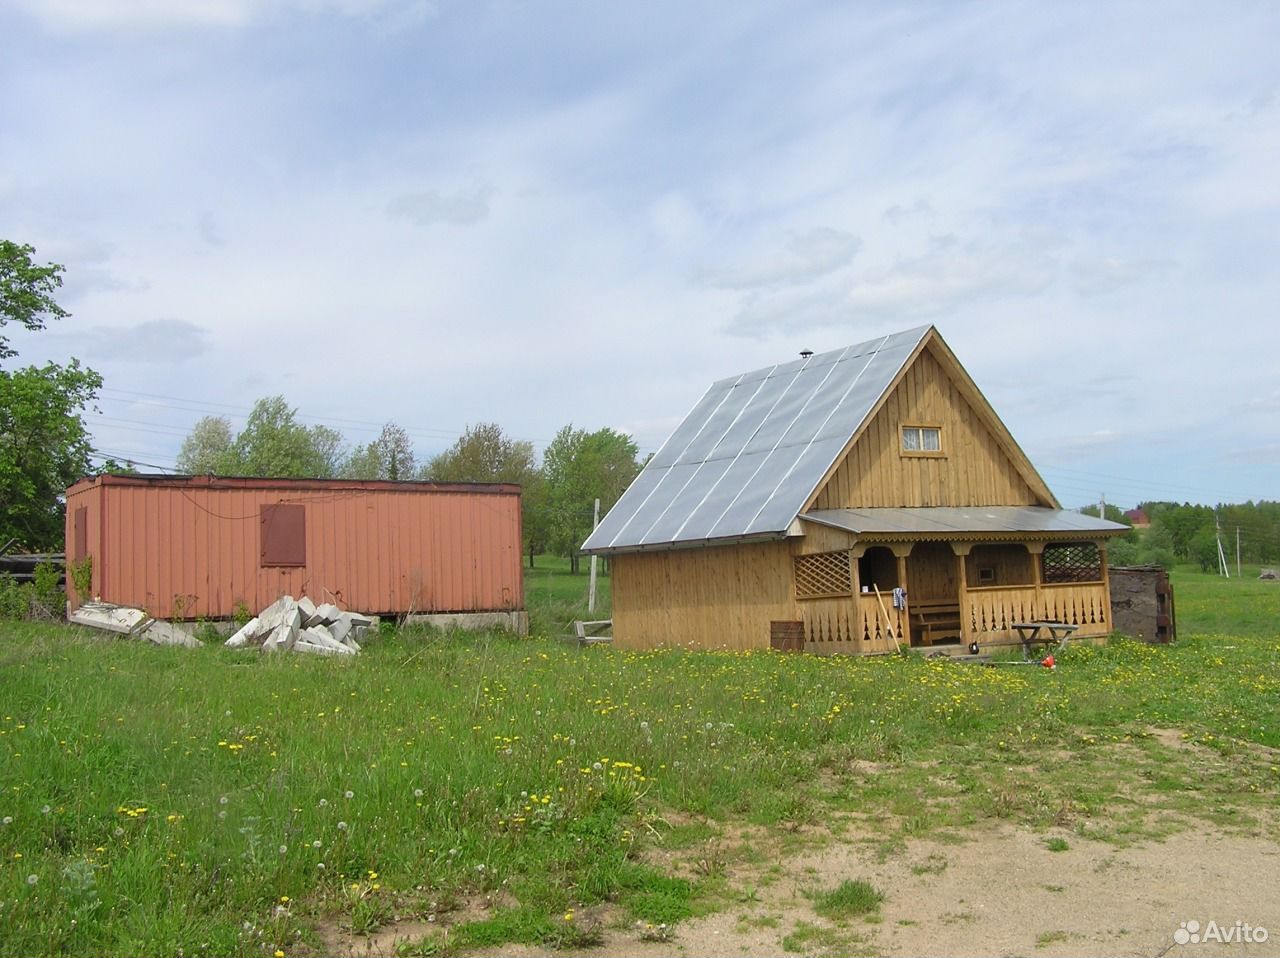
pixel 26 291
pixel 44 447
pixel 580 467
pixel 484 453
pixel 274 443
pixel 1204 548
pixel 205 450
pixel 390 456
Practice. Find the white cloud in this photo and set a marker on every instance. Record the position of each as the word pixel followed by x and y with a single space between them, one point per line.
pixel 804 257
pixel 164 341
pixel 1095 276
pixel 951 274
pixel 428 207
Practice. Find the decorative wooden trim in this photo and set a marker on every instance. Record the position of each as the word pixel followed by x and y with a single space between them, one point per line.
pixel 869 418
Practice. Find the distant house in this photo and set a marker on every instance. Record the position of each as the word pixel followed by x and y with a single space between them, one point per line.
pixel 1137 518
pixel 793 500
pixel 190 547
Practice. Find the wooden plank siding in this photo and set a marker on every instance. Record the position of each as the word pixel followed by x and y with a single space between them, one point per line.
pixel 973 469
pixel 720 597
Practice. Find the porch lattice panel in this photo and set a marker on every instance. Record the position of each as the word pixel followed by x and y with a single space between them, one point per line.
pixel 822 575
pixel 1080 562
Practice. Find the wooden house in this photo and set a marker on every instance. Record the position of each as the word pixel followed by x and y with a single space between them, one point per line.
pixel 794 500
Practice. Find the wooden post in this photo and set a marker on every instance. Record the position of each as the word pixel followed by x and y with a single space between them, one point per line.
pixel 856 552
pixel 591 591
pixel 1036 549
pixel 1106 581
pixel 962 550
pixel 900 551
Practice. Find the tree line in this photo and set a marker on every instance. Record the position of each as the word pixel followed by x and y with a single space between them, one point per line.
pixel 1186 532
pixel 558 492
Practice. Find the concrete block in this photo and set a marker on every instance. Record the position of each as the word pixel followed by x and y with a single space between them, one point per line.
pixel 329 613
pixel 278 613
pixel 248 633
pixel 341 628
pixel 165 633
pixel 319 635
pixel 282 637
pixel 308 610
pixel 120 619
pixel 303 645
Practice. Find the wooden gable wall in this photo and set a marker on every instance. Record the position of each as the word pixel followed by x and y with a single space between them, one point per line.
pixel 974 469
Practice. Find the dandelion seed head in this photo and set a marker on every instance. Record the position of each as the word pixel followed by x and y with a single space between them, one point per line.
pixel 222 800
pixel 7 820
pixel 349 794
pixel 316 843
pixel 342 826
pixel 32 879
pixel 417 793
pixel 324 802
pixel 45 810
pixel 284 849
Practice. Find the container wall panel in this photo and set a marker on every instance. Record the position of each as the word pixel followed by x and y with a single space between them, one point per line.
pixel 193 550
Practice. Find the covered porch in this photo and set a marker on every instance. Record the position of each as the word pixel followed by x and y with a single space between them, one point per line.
pixel 962 576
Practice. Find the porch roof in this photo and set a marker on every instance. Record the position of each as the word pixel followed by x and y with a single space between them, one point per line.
pixel 957 522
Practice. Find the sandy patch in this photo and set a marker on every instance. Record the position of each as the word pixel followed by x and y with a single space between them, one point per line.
pixel 1003 892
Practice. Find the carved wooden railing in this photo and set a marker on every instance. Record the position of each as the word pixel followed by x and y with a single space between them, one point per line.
pixel 851 625
pixel 990 611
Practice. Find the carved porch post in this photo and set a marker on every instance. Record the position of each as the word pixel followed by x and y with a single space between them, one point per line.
pixel 961 550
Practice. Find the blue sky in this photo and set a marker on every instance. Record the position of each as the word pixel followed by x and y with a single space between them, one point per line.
pixel 541 213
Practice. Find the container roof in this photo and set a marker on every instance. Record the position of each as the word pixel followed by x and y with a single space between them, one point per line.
pixel 254 482
pixel 958 521
pixel 746 460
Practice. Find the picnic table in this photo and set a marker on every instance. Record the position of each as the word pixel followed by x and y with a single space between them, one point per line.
pixel 1043 633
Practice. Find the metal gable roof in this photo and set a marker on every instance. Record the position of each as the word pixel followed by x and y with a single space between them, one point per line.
pixel 948 521
pixel 747 458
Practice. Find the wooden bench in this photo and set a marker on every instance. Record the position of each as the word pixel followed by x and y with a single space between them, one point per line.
pixel 591 631
pixel 935 619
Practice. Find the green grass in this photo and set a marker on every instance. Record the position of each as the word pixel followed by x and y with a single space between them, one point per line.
pixel 1057 844
pixel 156 799
pixel 555 596
pixel 852 898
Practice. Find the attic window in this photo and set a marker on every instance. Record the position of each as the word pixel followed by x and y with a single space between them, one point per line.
pixel 922 440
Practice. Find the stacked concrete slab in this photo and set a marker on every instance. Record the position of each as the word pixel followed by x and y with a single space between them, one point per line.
pixel 133 623
pixel 299 625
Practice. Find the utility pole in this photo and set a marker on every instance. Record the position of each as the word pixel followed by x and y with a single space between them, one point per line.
pixel 591 592
pixel 1237 552
pixel 1102 505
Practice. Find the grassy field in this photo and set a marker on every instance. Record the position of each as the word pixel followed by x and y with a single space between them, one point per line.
pixel 159 800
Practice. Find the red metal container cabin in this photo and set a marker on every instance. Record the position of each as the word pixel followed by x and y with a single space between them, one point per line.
pixel 189 547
